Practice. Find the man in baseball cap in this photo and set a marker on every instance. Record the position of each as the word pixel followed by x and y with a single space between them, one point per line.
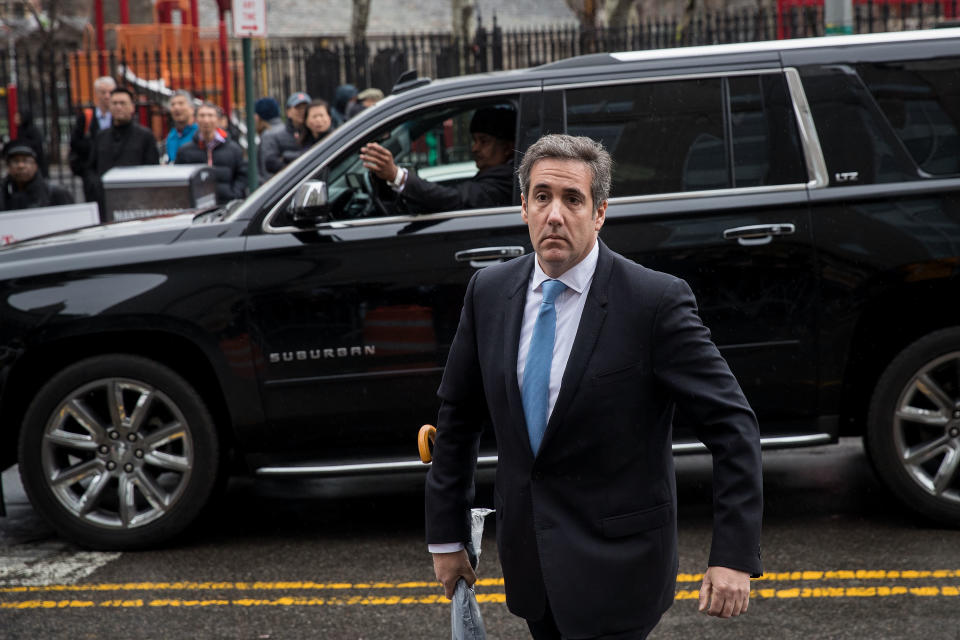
pixel 24 188
pixel 280 146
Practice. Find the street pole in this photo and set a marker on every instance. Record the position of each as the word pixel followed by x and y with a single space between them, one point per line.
pixel 253 178
pixel 838 16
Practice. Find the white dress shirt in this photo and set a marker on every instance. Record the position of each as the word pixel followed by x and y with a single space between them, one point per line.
pixel 104 119
pixel 569 307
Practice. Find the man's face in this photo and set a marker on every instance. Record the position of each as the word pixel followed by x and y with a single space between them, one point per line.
pixel 101 95
pixel 489 151
pixel 560 215
pixel 121 107
pixel 181 110
pixel 297 114
pixel 206 122
pixel 22 168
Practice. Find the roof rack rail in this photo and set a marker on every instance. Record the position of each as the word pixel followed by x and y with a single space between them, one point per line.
pixel 408 80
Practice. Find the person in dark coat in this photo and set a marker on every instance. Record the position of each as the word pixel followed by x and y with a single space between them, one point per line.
pixel 90 121
pixel 577 358
pixel 210 147
pixel 24 188
pixel 318 123
pixel 493 131
pixel 266 118
pixel 29 134
pixel 343 99
pixel 281 146
pixel 125 143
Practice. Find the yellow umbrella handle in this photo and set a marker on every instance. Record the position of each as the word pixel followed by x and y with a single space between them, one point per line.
pixel 428 433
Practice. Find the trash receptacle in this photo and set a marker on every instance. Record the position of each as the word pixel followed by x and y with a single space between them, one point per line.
pixel 152 190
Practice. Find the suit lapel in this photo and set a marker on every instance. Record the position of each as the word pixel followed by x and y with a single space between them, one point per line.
pixel 516 298
pixel 594 314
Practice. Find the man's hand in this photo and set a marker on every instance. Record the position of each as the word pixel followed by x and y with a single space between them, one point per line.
pixel 724 592
pixel 450 567
pixel 379 160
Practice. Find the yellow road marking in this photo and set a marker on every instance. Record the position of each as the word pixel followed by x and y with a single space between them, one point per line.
pixel 498 598
pixel 786 576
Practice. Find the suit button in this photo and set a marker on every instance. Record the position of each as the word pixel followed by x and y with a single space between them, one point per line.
pixel 537 475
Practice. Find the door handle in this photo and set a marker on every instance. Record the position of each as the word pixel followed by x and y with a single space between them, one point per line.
pixel 486 256
pixel 758 234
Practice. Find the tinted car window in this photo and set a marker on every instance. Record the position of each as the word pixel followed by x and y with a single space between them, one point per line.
pixel 670 136
pixel 921 99
pixel 766 145
pixel 858 145
pixel 664 136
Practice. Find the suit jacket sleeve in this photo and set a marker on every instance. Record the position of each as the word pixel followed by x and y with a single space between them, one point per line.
pixel 492 188
pixel 688 363
pixel 463 413
pixel 239 184
pixel 151 155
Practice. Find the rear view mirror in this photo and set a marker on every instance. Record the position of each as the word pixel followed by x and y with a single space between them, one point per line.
pixel 309 204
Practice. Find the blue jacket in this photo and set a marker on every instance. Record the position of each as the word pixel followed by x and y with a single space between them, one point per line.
pixel 176 140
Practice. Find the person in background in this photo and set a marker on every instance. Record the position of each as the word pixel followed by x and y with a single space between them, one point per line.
pixel 266 116
pixel 318 123
pixel 366 98
pixel 183 114
pixel 29 134
pixel 23 188
pixel 281 146
pixel 343 98
pixel 124 144
pixel 210 147
pixel 90 121
pixel 228 128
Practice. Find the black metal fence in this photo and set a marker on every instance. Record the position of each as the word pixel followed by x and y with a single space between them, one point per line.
pixel 54 85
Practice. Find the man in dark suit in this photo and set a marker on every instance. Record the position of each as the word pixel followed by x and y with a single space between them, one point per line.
pixel 492 131
pixel 124 144
pixel 90 122
pixel 577 357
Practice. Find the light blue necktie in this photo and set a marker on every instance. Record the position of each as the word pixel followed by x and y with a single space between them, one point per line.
pixel 536 371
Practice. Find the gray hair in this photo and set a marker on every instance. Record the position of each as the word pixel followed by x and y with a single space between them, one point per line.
pixel 209 105
pixel 563 147
pixel 103 81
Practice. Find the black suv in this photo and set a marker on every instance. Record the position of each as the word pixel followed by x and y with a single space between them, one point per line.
pixel 809 192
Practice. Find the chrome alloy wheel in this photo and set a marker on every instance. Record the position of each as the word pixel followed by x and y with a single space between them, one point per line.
pixel 926 428
pixel 117 453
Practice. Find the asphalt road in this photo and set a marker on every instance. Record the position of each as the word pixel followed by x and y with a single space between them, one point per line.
pixel 345 560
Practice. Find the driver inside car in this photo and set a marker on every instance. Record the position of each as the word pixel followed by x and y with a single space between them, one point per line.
pixel 492 134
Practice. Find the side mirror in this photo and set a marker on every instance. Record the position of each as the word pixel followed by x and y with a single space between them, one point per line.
pixel 310 204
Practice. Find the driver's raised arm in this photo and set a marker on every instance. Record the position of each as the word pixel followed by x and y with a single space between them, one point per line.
pixel 379 161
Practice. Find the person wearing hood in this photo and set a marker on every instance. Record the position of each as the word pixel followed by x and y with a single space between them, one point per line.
pixel 125 143
pixel 343 98
pixel 29 134
pixel 211 147
pixel 23 188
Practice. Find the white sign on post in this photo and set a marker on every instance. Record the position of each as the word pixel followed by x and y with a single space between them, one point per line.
pixel 250 18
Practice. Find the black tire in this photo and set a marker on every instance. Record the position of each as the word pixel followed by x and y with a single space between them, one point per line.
pixel 131 478
pixel 913 428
